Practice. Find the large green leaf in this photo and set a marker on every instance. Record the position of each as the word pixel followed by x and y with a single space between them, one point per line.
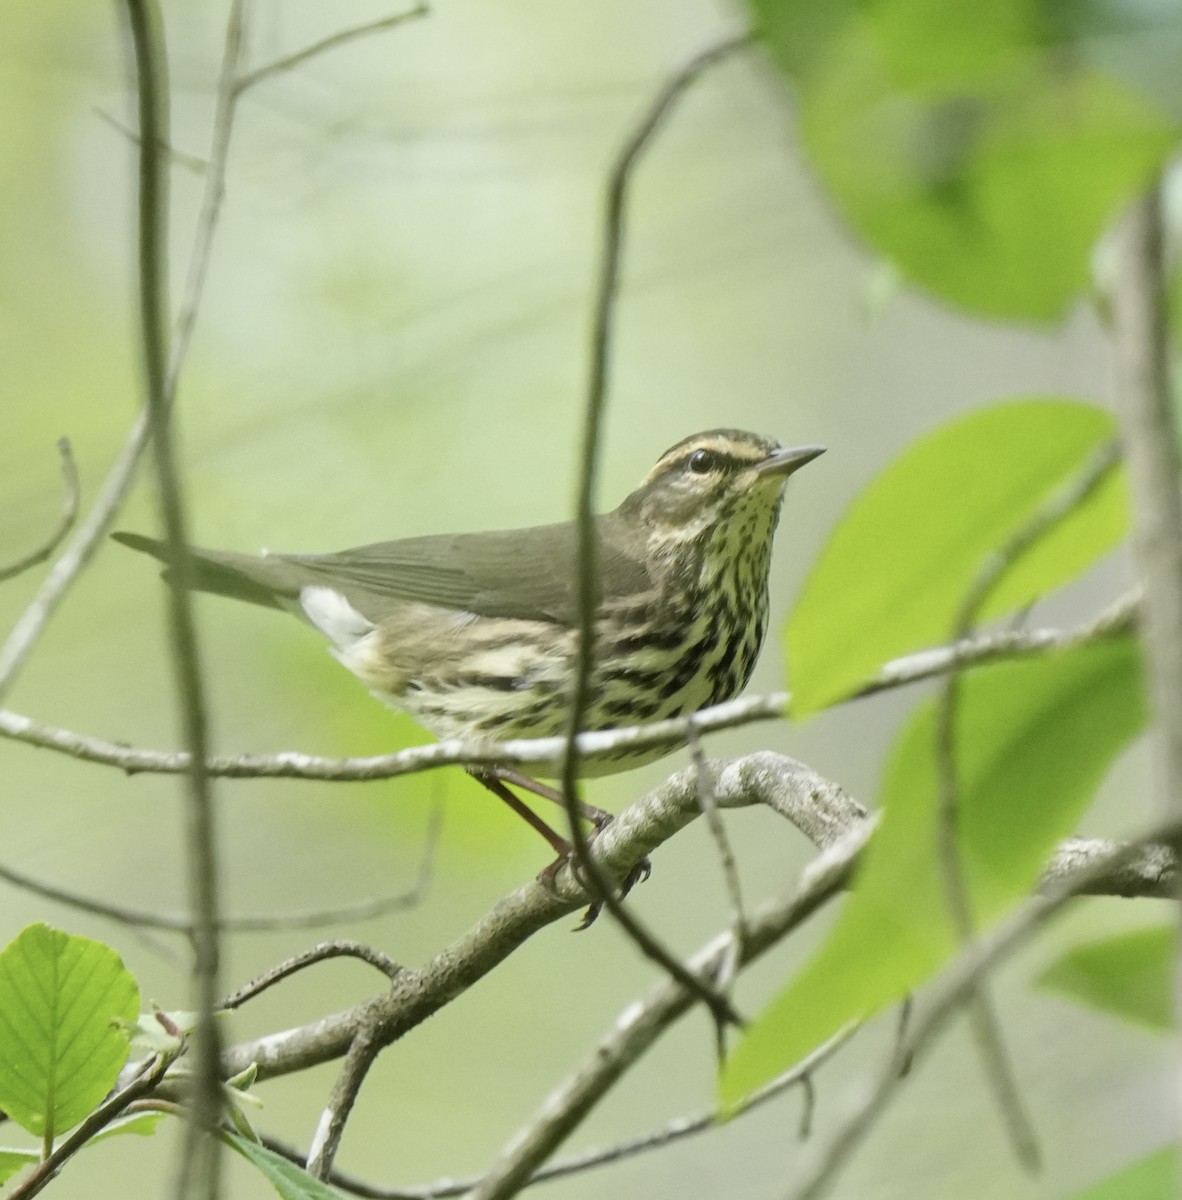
pixel 61 1045
pixel 1152 1178
pixel 1034 739
pixel 290 1181
pixel 983 154
pixel 896 569
pixel 1129 975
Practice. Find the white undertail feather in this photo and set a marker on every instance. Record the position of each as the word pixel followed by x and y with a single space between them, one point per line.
pixel 334 616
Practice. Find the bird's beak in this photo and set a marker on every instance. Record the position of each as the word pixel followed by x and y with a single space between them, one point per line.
pixel 785 462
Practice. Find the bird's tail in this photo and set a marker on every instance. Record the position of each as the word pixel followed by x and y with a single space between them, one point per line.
pixel 246 577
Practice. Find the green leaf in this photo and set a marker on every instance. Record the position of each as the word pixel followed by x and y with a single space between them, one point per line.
pixel 140 1124
pixel 1129 975
pixel 1034 740
pixel 984 156
pixel 12 1161
pixel 61 1048
pixel 290 1181
pixel 1151 1178
pixel 897 567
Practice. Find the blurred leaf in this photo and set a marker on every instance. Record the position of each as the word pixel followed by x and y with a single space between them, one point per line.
pixel 983 154
pixel 149 1033
pixel 12 1161
pixel 1034 740
pixel 290 1181
pixel 1129 975
pixel 61 1047
pixel 1151 1178
pixel 140 1124
pixel 897 567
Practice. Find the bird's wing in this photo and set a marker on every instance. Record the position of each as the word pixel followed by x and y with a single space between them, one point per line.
pixel 525 573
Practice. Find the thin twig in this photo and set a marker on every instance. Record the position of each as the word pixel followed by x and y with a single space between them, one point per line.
pixel 89 535
pixel 985 1023
pixel 671 1132
pixel 708 803
pixel 1004 645
pixel 189 161
pixel 199 1174
pixel 289 61
pixel 1141 319
pixel 587 592
pixel 341 948
pixel 64 523
pixel 250 923
pixel 213 194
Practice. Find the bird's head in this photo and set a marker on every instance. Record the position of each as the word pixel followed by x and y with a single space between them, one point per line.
pixel 724 479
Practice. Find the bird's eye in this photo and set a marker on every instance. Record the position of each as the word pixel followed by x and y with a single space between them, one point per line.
pixel 702 461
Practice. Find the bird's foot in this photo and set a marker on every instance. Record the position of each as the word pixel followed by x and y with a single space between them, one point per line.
pixel 638 873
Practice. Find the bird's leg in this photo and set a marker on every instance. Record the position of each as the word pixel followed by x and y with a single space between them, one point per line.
pixel 489 777
pixel 597 816
pixel 496 778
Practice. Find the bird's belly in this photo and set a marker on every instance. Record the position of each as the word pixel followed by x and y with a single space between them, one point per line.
pixel 516 685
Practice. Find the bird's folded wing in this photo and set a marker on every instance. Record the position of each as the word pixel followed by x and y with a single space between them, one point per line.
pixel 528 574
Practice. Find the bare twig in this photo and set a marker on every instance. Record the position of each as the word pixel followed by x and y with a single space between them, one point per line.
pixel 189 161
pixel 199 1174
pixel 342 948
pixel 1140 308
pixel 986 1026
pixel 587 591
pixel 672 1131
pixel 728 968
pixel 213 194
pixel 1001 646
pixel 64 523
pixel 289 61
pixel 250 923
pixel 88 536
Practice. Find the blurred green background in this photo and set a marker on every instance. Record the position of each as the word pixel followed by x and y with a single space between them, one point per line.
pixel 393 341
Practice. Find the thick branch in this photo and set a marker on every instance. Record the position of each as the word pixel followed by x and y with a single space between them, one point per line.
pixel 819 808
pixel 822 811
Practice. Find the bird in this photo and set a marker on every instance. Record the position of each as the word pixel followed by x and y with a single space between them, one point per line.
pixel 475 634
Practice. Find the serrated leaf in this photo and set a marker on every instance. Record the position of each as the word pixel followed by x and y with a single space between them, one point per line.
pixel 61 1047
pixel 895 571
pixel 1129 975
pixel 290 1181
pixel 984 156
pixel 1152 1178
pixel 13 1161
pixel 1034 740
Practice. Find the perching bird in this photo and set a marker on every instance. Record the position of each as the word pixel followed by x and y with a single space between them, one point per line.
pixel 473 633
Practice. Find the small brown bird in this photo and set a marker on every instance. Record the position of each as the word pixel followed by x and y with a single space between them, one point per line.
pixel 473 633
